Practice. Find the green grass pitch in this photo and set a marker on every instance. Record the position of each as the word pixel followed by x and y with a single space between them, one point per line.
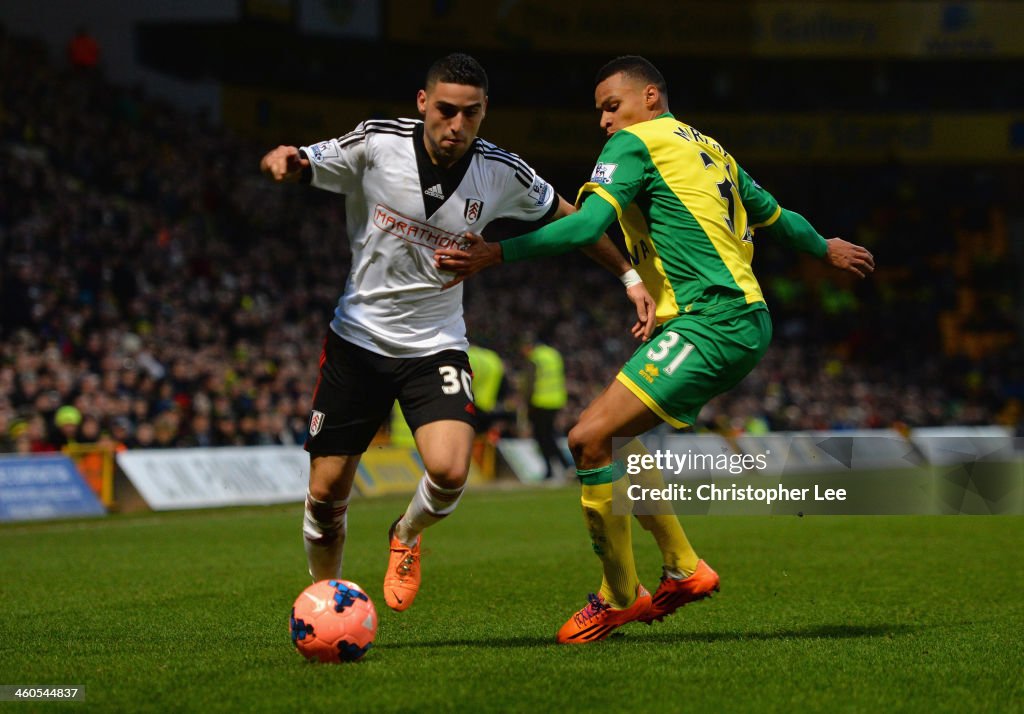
pixel 189 612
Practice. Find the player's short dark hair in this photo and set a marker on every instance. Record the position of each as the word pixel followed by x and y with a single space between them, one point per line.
pixel 634 67
pixel 457 68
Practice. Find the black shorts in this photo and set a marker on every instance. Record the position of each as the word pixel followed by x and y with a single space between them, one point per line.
pixel 357 389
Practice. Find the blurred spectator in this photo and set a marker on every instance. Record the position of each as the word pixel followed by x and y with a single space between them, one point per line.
pixel 488 384
pixel 226 431
pixel 121 430
pixel 145 437
pixel 200 432
pixel 67 420
pixel 89 431
pixel 21 441
pixel 9 433
pixel 35 437
pixel 83 50
pixel 545 392
pixel 166 430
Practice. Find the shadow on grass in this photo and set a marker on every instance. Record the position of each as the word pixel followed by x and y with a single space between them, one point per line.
pixel 823 632
pixel 636 635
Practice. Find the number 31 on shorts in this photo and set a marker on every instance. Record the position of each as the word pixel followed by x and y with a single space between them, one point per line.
pixel 664 346
pixel 452 382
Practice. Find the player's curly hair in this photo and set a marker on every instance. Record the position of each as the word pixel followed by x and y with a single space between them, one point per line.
pixel 635 67
pixel 457 68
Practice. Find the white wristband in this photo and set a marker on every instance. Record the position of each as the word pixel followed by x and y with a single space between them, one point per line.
pixel 630 278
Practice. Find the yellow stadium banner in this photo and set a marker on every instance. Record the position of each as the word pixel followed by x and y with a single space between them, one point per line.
pixel 845 138
pixel 909 28
pixel 385 470
pixel 538 134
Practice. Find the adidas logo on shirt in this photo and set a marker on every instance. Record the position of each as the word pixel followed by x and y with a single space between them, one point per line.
pixel 435 191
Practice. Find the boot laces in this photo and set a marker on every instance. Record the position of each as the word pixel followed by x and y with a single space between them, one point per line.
pixel 406 565
pixel 595 606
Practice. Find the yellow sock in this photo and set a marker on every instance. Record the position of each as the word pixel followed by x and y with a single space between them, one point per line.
pixel 676 552
pixel 678 556
pixel 612 539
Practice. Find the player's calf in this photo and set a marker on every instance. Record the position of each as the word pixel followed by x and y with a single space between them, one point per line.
pixel 324 527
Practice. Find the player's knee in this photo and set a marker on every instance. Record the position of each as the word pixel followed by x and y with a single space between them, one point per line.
pixel 452 475
pixel 449 479
pixel 591 447
pixel 319 492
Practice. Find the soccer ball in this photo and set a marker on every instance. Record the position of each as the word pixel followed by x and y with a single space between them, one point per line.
pixel 333 621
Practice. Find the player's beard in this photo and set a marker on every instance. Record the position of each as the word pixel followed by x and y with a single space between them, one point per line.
pixel 444 155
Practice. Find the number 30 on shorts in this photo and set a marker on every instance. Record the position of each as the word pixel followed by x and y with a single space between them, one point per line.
pixel 452 383
pixel 664 346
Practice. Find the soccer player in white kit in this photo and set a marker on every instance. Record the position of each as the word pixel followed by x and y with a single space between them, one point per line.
pixel 410 187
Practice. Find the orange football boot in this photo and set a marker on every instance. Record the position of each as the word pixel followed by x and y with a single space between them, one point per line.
pixel 598 619
pixel 672 594
pixel 402 579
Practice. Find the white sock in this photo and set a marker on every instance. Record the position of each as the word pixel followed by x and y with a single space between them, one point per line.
pixel 430 504
pixel 324 526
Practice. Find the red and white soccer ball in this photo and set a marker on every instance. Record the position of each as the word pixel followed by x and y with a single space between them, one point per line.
pixel 333 621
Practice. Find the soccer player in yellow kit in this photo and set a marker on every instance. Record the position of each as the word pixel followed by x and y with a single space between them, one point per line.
pixel 688 212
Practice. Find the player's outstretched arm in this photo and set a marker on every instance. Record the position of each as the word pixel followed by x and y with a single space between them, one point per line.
pixel 583 228
pixel 477 254
pixel 853 258
pixel 284 164
pixel 792 229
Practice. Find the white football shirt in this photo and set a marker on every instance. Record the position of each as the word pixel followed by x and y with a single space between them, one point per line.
pixel 398 214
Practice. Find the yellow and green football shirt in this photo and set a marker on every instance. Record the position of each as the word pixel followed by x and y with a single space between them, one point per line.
pixel 687 211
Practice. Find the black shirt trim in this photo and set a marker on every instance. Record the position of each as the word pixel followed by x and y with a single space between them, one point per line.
pixel 434 177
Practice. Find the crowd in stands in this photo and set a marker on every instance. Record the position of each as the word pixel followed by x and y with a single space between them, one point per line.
pixel 156 291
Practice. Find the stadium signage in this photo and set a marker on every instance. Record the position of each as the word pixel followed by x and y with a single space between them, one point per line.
pixel 37 487
pixel 223 476
pixel 169 479
pixel 751 28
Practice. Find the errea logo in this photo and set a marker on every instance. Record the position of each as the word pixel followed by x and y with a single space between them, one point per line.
pixel 649 372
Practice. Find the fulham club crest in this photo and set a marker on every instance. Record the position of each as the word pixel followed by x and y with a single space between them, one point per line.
pixel 473 208
pixel 316 422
